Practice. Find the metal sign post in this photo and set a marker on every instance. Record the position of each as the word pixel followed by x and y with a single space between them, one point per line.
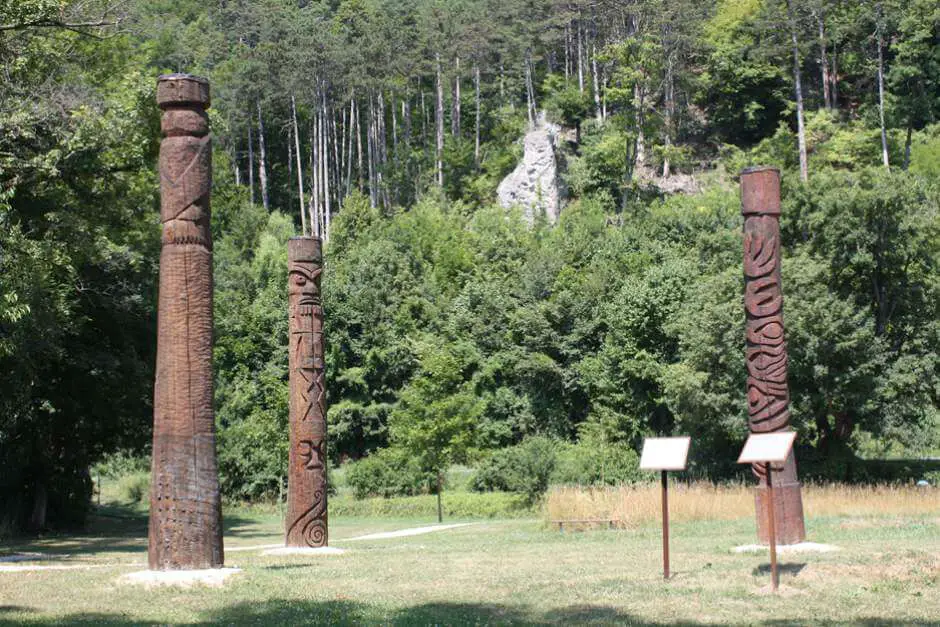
pixel 665 526
pixel 767 449
pixel 771 527
pixel 665 454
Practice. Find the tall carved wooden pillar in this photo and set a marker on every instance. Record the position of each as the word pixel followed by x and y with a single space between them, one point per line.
pixel 306 523
pixel 185 510
pixel 768 395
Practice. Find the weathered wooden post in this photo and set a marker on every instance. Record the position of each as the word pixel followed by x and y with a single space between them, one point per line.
pixel 768 395
pixel 185 510
pixel 306 521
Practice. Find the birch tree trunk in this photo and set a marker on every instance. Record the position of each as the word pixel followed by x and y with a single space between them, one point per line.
pixel 262 168
pixel 352 130
pixel 801 130
pixel 455 105
pixel 290 153
pixel 373 200
pixel 834 77
pixel 598 112
pixel 567 51
pixel 300 176
pixel 359 170
pixel 325 165
pixel 476 123
pixel 580 53
pixel 314 173
pixel 251 164
pixel 823 60
pixel 439 145
pixel 881 102
pixel 529 88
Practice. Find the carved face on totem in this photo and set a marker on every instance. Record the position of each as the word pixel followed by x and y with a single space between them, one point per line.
pixel 303 286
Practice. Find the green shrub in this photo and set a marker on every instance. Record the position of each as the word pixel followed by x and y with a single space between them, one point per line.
pixel 524 469
pixel 455 505
pixel 120 463
pixel 596 463
pixel 134 487
pixel 386 473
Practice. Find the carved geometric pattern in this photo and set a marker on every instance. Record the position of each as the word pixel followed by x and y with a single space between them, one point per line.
pixel 306 523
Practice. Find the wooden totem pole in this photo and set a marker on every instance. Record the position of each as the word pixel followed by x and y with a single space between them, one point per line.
pixel 768 395
pixel 306 523
pixel 185 510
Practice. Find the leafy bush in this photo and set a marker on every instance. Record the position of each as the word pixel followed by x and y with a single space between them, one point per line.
pixel 386 473
pixel 455 504
pixel 590 462
pixel 121 463
pixel 134 487
pixel 524 469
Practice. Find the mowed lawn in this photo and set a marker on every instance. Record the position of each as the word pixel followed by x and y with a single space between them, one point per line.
pixel 886 571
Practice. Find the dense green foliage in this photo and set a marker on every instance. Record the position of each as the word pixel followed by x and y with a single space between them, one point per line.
pixel 456 331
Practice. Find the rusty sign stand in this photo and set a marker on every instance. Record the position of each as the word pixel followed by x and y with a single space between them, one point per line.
pixel 771 528
pixel 665 454
pixel 767 449
pixel 665 525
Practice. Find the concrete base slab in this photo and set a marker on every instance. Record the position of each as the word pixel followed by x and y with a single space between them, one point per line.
pixel 800 547
pixel 212 577
pixel 305 550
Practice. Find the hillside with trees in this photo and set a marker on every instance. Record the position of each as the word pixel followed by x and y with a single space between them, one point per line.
pixel 457 332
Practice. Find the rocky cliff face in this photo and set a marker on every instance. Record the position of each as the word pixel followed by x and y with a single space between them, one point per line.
pixel 533 185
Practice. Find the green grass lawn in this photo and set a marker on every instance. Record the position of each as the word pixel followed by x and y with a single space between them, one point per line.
pixel 496 572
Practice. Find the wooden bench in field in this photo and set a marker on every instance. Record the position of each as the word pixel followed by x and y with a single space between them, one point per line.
pixel 610 522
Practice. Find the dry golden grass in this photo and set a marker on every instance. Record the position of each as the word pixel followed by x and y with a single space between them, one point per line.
pixel 635 505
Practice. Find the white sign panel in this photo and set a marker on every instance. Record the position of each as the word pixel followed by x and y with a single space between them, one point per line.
pixel 767 447
pixel 665 453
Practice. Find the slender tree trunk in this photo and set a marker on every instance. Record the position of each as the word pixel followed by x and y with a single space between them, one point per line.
pixel 300 176
pixel 881 102
pixel 290 153
pixel 603 96
pixel 373 200
pixel 440 125
pixel 383 151
pixel 455 105
pixel 823 60
pixel 598 113
pixel 639 152
pixel 315 171
pixel 352 131
pixel 834 77
pixel 440 489
pixel 394 128
pixel 530 89
pixel 262 168
pixel 251 164
pixel 359 170
pixel 567 51
pixel 476 123
pixel 801 130
pixel 325 168
pixel 580 54
pixel 907 148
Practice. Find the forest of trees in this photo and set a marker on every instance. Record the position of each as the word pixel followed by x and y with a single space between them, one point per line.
pixel 454 329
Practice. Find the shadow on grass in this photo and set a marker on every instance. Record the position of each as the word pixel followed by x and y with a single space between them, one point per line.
pixel 783 569
pixel 344 612
pixel 116 528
